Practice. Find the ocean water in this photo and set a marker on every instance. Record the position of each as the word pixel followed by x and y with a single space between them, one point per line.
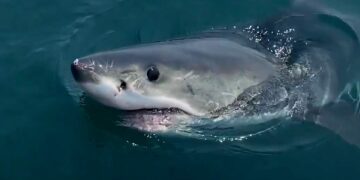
pixel 48 131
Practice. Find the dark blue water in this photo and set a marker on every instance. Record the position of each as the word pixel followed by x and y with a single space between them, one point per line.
pixel 46 132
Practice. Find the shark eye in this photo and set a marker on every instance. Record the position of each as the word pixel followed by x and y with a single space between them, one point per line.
pixel 153 73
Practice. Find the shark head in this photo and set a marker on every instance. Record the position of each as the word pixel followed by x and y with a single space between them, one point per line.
pixel 196 76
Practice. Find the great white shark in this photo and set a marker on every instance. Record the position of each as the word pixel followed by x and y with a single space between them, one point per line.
pixel 229 72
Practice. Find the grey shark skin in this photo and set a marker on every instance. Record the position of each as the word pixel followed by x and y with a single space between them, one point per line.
pixel 196 75
pixel 220 74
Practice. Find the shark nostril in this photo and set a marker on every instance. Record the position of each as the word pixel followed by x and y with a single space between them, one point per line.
pixel 122 85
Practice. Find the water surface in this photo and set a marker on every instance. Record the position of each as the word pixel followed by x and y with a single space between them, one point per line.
pixel 46 132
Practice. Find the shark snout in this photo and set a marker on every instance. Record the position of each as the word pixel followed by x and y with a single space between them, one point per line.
pixel 83 72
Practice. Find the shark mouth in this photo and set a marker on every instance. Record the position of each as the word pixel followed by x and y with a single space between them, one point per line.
pixel 131 100
pixel 159 111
